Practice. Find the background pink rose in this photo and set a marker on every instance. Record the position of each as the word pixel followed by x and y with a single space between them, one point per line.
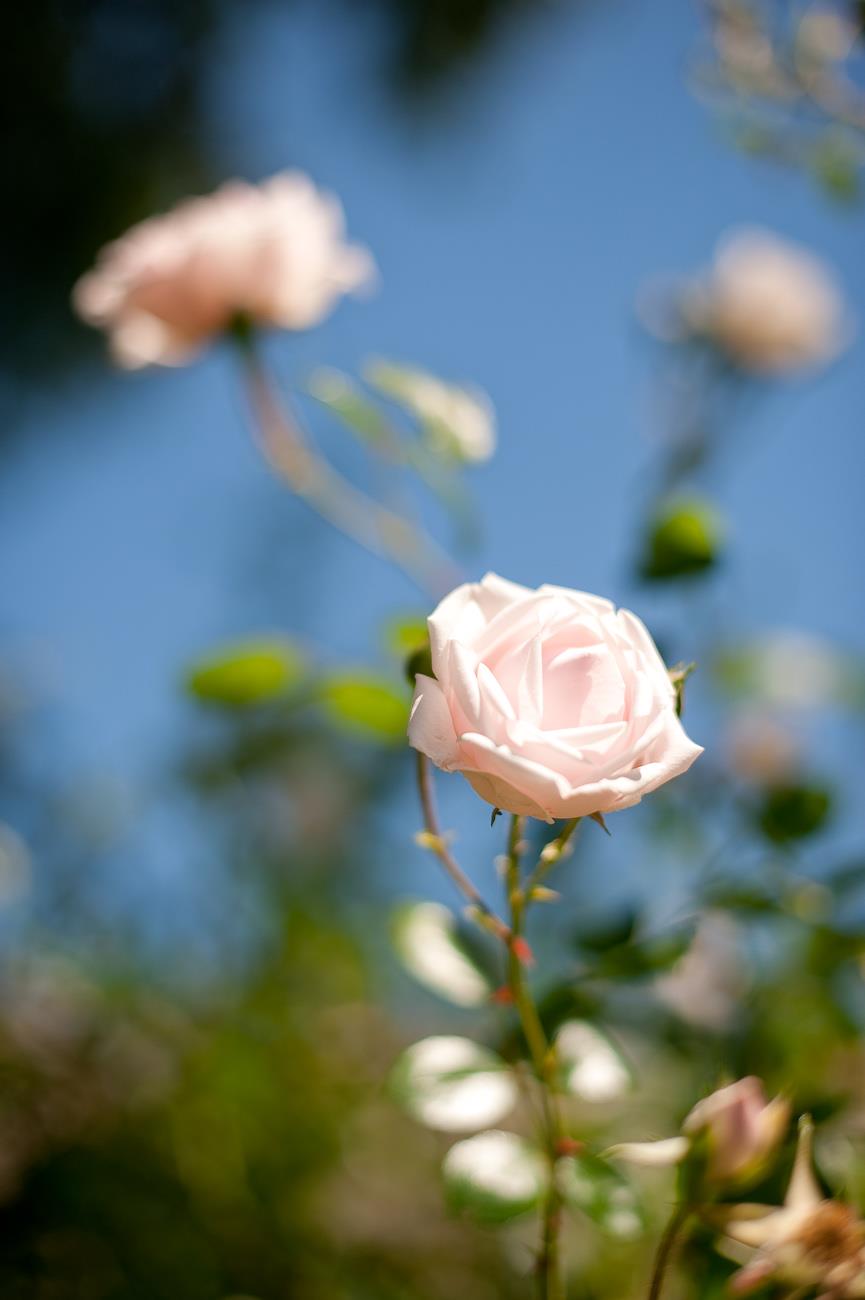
pixel 275 252
pixel 551 702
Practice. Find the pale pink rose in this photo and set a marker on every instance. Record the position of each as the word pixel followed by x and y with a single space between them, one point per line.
pixel 551 703
pixel 274 253
pixel 771 306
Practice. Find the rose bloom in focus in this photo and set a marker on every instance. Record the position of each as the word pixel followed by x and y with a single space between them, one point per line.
pixel 771 306
pixel 551 703
pixel 273 253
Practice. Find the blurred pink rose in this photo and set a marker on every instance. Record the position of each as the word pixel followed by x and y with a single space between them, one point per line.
pixel 771 306
pixel 273 252
pixel 550 702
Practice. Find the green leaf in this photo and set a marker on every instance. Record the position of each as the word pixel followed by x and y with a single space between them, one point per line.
pixel 684 539
pixel 428 940
pixel 243 675
pixel 591 1066
pixel 494 1176
pixel 366 704
pixel 642 956
pixel 791 812
pixel 404 635
pixel 453 1084
pixel 602 1193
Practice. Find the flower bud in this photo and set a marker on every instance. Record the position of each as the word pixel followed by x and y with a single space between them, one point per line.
pixel 739 1129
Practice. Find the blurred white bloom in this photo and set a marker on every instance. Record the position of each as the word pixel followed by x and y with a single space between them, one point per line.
pixel 735 1129
pixel 771 306
pixel 458 419
pixel 808 1242
pixel 705 985
pixel 795 670
pixel 273 253
pixel 594 1070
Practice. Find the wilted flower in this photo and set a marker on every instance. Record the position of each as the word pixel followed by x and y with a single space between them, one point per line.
pixel 457 419
pixel 810 1241
pixel 735 1131
pixel 771 306
pixel 273 253
pixel 551 703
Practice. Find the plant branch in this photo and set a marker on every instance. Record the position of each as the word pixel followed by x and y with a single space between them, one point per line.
pixel 666 1249
pixel 381 531
pixel 437 843
pixel 543 1061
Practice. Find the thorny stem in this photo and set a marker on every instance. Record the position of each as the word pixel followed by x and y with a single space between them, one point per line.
pixel 551 854
pixel 438 844
pixel 381 531
pixel 666 1249
pixel 543 1061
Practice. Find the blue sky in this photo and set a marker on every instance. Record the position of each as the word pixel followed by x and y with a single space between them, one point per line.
pixel 512 226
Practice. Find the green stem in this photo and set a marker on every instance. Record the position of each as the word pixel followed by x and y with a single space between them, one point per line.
pixel 666 1249
pixel 551 854
pixel 549 1277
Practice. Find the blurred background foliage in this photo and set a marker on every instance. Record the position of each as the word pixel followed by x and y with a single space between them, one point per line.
pixel 194 1094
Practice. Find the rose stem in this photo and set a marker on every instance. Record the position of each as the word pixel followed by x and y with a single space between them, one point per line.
pixel 666 1249
pixel 543 1060
pixel 551 854
pixel 438 845
pixel 378 530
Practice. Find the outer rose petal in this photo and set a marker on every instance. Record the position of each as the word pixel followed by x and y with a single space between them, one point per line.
pixel 464 614
pixel 431 728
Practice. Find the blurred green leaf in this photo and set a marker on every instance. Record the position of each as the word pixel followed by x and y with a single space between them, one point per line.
pixel 428 939
pixel 342 396
pixel 603 1194
pixel 453 1084
pixel 836 163
pixel 683 539
pixel 639 956
pixel 404 635
pixel 250 673
pixel 365 704
pixel 494 1176
pixel 791 812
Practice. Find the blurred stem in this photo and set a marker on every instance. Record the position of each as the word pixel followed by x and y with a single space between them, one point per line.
pixel 380 531
pixel 543 1061
pixel 667 1248
pixel 437 843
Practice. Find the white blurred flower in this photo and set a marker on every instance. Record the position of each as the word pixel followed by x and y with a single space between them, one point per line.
pixel 274 253
pixel 458 419
pixel 810 1241
pixel 771 306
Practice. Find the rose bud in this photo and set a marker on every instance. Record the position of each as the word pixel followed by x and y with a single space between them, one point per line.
pixel 733 1134
pixel 552 703
pixel 272 254
pixel 741 1130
